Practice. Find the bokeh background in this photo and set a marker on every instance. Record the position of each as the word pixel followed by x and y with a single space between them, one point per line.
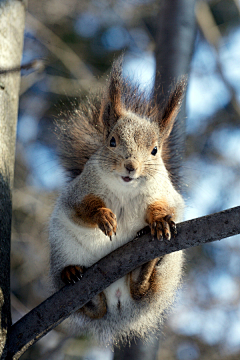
pixel 74 43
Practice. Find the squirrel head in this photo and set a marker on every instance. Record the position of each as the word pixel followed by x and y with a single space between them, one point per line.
pixel 135 130
pixel 131 150
pixel 124 123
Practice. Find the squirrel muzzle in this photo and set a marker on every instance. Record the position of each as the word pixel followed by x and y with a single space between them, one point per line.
pixel 131 166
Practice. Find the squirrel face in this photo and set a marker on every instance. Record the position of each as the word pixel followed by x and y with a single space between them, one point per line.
pixel 132 152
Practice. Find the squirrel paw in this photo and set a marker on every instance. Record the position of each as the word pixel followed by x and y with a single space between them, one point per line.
pixel 72 273
pixel 107 221
pixel 163 227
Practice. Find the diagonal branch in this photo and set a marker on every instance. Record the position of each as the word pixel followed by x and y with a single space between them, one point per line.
pixel 63 52
pixel 59 306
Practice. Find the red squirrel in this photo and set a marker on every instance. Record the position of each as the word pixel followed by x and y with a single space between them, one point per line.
pixel 115 149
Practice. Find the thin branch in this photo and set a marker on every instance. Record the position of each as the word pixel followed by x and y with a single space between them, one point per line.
pixel 59 306
pixel 212 34
pixel 62 51
pixel 70 87
pixel 36 65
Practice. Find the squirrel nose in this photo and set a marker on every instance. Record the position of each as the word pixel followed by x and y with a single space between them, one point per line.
pixel 130 166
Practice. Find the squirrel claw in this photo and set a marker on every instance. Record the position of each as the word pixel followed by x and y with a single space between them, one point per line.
pixel 163 228
pixel 172 224
pixel 106 221
pixel 173 228
pixel 143 231
pixel 79 277
pixel 72 273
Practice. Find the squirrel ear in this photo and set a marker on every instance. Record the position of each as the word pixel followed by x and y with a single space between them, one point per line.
pixel 112 107
pixel 173 107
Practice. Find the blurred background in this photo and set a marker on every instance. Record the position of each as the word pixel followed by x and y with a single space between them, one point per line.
pixel 74 43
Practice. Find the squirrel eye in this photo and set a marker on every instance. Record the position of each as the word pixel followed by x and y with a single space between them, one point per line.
pixel 154 151
pixel 113 142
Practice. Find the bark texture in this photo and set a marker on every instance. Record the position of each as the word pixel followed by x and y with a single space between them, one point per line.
pixel 12 14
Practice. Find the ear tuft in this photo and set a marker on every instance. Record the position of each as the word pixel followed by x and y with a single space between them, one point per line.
pixel 115 87
pixel 173 106
pixel 112 106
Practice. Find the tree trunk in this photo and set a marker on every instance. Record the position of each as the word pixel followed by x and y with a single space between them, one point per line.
pixel 12 14
pixel 176 29
pixel 175 34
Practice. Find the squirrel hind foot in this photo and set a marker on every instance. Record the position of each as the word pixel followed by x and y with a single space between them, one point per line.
pixel 72 273
pixel 95 308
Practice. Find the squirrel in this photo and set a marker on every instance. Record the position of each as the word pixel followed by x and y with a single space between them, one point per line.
pixel 115 150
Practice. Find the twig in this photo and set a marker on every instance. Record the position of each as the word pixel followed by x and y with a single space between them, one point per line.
pixel 37 65
pixel 70 87
pixel 59 306
pixel 212 34
pixel 62 51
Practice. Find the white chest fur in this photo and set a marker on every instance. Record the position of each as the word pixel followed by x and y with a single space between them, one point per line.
pixel 84 245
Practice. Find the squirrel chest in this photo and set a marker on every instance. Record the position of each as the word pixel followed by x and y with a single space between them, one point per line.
pixel 128 202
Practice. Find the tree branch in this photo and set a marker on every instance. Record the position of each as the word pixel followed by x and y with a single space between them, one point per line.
pixel 63 52
pixel 59 306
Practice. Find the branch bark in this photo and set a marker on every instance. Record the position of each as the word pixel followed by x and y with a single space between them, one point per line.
pixel 59 306
pixel 11 42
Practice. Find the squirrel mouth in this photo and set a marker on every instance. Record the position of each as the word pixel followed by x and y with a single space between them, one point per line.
pixel 126 178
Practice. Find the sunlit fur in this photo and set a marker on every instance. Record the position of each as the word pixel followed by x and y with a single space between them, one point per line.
pixel 136 135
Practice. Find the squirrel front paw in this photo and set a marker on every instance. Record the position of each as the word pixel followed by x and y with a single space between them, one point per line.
pixel 72 273
pixel 106 221
pixel 162 227
pixel 160 219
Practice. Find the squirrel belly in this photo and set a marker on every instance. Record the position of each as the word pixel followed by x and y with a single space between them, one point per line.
pixel 117 156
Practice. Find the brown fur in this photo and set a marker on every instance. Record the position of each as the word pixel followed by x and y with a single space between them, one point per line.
pixel 96 308
pixel 160 219
pixel 80 134
pixel 147 282
pixel 173 106
pixel 112 107
pixel 172 150
pixel 92 212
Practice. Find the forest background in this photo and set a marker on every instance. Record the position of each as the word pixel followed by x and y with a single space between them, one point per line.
pixel 205 323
